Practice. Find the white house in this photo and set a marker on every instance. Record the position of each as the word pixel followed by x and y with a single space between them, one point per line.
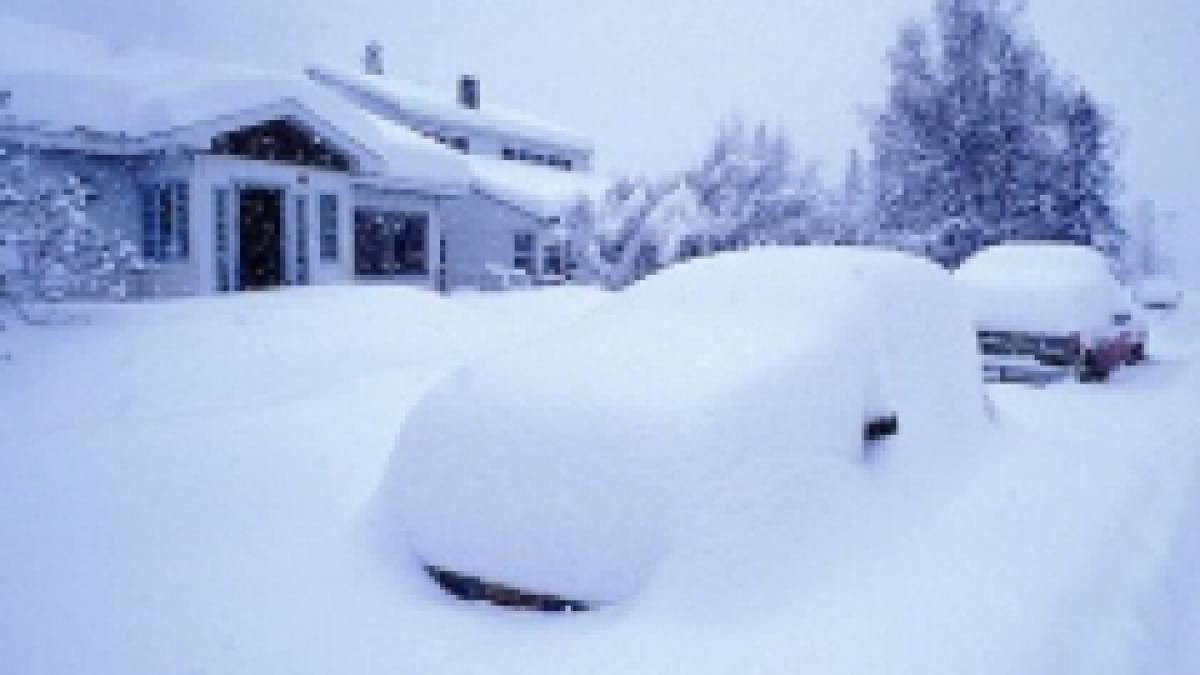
pixel 233 179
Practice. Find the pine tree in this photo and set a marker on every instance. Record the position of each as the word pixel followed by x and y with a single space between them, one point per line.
pixel 979 142
pixel 1088 183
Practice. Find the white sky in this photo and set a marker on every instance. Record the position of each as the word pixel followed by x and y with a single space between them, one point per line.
pixel 649 81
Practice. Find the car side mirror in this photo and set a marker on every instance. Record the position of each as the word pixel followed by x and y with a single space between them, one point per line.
pixel 879 428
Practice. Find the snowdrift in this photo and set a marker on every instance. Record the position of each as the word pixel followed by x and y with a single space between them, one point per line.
pixel 706 398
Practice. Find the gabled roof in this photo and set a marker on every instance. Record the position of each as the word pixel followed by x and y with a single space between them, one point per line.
pixel 86 96
pixel 410 101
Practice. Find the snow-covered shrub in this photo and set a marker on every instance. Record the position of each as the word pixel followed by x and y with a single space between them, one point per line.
pixel 49 248
pixel 746 190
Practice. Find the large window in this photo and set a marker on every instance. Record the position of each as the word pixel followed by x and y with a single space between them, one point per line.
pixel 390 243
pixel 165 232
pixel 281 140
pixel 329 227
pixel 523 252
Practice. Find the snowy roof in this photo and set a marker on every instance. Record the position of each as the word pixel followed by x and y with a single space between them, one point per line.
pixel 151 99
pixel 419 101
pixel 544 191
pixel 543 491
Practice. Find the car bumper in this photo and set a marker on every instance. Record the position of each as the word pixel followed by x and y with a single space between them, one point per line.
pixel 1021 369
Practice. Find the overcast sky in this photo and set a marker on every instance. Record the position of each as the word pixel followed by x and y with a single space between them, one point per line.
pixel 649 81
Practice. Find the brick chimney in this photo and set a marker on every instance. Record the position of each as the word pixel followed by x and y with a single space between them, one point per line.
pixel 468 92
pixel 373 58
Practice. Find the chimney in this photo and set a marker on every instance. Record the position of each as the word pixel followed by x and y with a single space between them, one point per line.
pixel 373 59
pixel 468 92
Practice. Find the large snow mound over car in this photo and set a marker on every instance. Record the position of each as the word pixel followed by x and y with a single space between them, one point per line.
pixel 714 398
pixel 1040 287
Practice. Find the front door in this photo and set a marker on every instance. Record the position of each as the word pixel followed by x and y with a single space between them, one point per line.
pixel 260 240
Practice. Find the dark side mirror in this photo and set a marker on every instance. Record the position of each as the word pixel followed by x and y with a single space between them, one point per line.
pixel 879 428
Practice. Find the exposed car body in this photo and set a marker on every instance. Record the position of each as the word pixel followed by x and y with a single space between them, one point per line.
pixel 1044 309
pixel 711 402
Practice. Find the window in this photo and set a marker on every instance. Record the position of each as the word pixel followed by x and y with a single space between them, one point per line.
pixel 409 244
pixel 223 256
pixel 523 247
pixel 182 239
pixel 165 229
pixel 281 140
pixel 509 153
pixel 552 259
pixel 460 143
pixel 149 197
pixel 328 216
pixel 302 240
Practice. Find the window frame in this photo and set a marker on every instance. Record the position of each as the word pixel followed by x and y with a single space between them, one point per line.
pixel 327 225
pixel 166 221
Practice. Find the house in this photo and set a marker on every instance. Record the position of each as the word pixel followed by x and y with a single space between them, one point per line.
pixel 232 179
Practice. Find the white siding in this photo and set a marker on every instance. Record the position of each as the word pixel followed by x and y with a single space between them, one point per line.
pixel 481 231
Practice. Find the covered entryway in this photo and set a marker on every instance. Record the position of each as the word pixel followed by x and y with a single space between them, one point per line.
pixel 260 242
pixel 389 244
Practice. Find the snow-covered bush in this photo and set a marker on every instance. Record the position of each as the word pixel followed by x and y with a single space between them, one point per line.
pixel 49 248
pixel 746 190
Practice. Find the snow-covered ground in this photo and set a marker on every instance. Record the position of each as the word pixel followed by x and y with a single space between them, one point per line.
pixel 185 488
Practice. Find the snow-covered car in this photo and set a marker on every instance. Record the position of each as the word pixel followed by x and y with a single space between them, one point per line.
pixel 1158 292
pixel 719 400
pixel 1042 308
pixel 1134 328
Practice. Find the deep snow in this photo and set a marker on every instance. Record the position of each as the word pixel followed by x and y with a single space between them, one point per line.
pixel 185 483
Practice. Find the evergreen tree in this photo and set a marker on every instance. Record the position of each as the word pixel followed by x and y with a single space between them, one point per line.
pixel 1088 184
pixel 979 142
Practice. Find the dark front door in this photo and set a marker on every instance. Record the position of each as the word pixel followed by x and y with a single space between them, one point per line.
pixel 260 250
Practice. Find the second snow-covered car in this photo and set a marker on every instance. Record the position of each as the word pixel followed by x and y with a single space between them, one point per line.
pixel 1043 308
pixel 717 402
